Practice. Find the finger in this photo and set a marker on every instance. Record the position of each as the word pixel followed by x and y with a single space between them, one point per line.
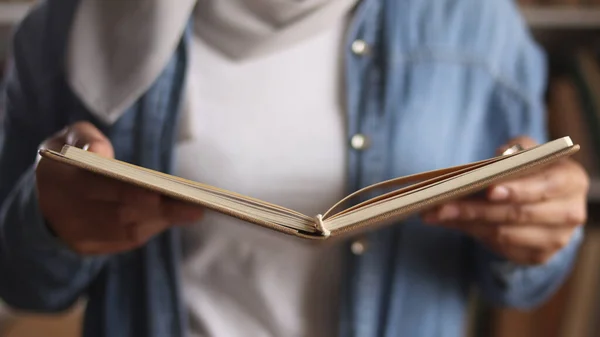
pixel 556 212
pixel 88 229
pixel 140 234
pixel 107 215
pixel 102 248
pixel 83 135
pixel 132 236
pixel 98 222
pixel 553 181
pixel 80 184
pixel 524 141
pixel 176 212
pixel 101 188
pixel 129 236
pixel 506 237
pixel 103 239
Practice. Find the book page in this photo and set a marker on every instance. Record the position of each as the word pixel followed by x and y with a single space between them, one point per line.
pixel 451 187
pixel 237 205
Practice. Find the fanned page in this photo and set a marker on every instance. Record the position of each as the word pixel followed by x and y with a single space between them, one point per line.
pixel 423 190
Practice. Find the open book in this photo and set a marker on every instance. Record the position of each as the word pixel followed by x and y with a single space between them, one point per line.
pixel 402 197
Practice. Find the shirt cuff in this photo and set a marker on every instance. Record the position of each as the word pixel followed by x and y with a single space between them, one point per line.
pixel 510 273
pixel 26 227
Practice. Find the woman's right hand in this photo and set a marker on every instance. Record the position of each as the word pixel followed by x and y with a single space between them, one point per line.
pixel 96 215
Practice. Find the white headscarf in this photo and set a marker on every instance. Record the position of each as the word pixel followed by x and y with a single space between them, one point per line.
pixel 117 48
pixel 248 28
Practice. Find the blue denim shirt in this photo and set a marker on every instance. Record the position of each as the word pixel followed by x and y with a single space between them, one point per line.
pixel 444 82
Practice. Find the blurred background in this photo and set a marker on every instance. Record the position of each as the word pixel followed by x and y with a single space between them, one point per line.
pixel 569 31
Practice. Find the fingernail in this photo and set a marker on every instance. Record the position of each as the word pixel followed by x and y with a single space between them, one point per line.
pixel 499 193
pixel 448 212
pixel 85 147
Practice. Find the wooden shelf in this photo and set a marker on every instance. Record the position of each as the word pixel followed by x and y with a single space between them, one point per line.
pixel 562 17
pixel 12 12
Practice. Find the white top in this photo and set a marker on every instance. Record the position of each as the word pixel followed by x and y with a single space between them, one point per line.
pixel 272 128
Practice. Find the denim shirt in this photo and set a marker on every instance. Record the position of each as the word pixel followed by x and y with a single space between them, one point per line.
pixel 443 82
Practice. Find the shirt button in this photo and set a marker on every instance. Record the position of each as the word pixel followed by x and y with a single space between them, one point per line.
pixel 359 142
pixel 358 247
pixel 360 47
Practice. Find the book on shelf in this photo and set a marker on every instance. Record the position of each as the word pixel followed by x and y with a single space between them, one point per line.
pixel 566 115
pixel 558 3
pixel 574 106
pixel 398 198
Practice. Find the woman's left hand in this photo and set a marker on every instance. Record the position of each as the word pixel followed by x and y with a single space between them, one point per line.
pixel 528 219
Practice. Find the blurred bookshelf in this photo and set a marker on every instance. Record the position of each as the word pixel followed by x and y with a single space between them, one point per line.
pixel 562 17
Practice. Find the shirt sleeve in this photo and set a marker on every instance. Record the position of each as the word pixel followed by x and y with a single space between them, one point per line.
pixel 39 272
pixel 509 284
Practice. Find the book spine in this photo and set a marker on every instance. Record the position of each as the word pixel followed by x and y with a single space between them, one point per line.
pixel 320 226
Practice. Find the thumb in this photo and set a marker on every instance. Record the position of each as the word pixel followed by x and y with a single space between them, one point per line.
pixel 85 136
pixel 499 192
pixel 525 142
